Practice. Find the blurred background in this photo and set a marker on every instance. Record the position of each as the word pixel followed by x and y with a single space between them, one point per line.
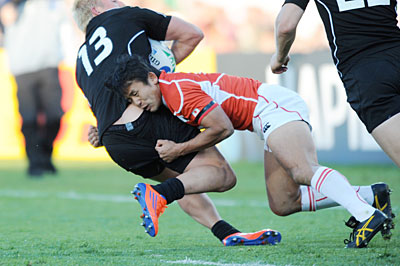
pixel 239 40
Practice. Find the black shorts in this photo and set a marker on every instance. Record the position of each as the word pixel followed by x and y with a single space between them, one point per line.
pixel 373 87
pixel 131 145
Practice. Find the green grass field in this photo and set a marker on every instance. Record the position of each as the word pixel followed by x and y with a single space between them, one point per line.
pixel 86 216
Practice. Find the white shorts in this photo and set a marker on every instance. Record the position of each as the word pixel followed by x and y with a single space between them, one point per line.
pixel 277 106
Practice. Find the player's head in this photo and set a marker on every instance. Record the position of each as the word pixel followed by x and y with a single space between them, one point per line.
pixel 137 81
pixel 84 10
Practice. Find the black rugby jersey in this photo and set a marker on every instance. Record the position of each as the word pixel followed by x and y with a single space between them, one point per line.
pixel 109 35
pixel 357 28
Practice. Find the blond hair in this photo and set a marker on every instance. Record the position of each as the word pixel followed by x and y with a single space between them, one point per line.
pixel 82 12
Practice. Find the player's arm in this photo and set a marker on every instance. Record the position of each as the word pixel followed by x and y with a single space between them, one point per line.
pixel 217 128
pixel 185 36
pixel 285 34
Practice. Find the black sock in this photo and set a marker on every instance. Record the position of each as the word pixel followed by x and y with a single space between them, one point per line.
pixel 172 189
pixel 222 229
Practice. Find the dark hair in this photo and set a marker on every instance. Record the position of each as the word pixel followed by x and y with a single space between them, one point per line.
pixel 127 70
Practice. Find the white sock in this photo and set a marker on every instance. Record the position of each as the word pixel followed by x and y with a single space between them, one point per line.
pixel 335 186
pixel 312 200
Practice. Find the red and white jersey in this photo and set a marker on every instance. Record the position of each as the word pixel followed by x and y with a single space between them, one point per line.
pixel 191 96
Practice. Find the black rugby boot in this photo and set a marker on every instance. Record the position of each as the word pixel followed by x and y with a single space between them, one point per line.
pixel 366 230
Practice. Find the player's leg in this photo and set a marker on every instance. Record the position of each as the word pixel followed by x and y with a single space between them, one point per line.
pixel 294 149
pixel 377 195
pixel 375 96
pixel 284 195
pixel 202 209
pixel 198 206
pixel 208 171
pixel 203 169
pixel 387 132
pixel 279 117
pixel 203 166
pixel 50 94
pixel 387 136
pixel 28 109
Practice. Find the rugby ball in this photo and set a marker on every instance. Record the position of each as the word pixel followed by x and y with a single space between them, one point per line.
pixel 161 57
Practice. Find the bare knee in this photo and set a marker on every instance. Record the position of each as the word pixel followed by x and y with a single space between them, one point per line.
pixel 278 210
pixel 285 204
pixel 228 177
pixel 302 175
pixel 283 210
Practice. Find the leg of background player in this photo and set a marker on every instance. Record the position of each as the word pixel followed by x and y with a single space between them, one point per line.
pixel 387 136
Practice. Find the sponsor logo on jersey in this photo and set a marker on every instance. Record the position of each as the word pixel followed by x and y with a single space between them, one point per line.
pixel 266 126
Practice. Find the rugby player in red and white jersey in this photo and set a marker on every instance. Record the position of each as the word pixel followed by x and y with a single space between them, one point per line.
pixel 129 134
pixel 221 103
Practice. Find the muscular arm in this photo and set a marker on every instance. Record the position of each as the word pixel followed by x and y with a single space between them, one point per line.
pixel 185 38
pixel 285 34
pixel 217 128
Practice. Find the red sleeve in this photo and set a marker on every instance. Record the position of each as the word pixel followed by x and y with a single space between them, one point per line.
pixel 187 101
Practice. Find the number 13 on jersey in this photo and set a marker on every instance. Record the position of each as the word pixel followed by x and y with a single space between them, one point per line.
pixel 98 39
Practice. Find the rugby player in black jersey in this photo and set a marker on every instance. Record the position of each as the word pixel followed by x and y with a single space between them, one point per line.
pixel 365 44
pixel 129 134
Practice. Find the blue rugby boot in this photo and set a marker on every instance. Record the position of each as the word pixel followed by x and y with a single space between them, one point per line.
pixel 263 237
pixel 153 205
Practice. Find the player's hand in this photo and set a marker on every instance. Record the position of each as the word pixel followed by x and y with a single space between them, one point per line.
pixel 93 136
pixel 279 67
pixel 168 150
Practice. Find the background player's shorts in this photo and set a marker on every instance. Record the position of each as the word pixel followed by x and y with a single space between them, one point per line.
pixel 132 145
pixel 373 87
pixel 277 106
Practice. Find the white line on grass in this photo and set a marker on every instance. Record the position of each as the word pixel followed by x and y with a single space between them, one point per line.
pixel 200 262
pixel 73 195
